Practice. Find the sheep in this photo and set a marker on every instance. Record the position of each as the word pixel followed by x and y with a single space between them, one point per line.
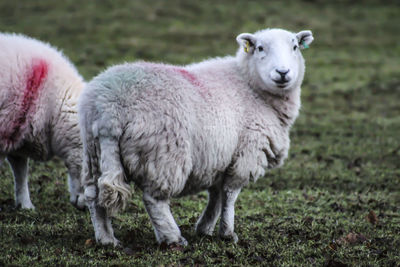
pixel 177 130
pixel 38 116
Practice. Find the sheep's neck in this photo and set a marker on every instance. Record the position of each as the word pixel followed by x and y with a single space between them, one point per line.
pixel 285 106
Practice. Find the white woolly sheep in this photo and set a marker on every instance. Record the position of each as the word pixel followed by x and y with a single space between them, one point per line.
pixel 176 130
pixel 38 118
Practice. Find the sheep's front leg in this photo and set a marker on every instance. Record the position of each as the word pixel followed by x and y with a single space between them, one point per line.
pixel 226 230
pixel 163 222
pixel 103 230
pixel 206 224
pixel 19 167
pixel 76 196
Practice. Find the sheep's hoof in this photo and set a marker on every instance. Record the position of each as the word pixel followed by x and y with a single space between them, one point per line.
pixel 79 202
pixel 203 232
pixel 204 228
pixel 118 244
pixel 25 206
pixel 175 244
pixel 232 237
pixel 105 241
pixel 182 241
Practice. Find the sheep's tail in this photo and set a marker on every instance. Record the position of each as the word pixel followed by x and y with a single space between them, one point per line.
pixel 114 192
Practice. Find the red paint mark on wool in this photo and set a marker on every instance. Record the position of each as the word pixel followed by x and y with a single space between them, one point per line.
pixel 193 80
pixel 187 75
pixel 35 78
pixel 33 83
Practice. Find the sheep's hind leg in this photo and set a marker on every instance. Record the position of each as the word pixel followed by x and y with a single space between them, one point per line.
pixel 163 222
pixel 226 230
pixel 103 230
pixel 206 224
pixel 19 166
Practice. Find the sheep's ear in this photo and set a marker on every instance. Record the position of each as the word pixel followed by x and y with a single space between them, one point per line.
pixel 304 38
pixel 247 41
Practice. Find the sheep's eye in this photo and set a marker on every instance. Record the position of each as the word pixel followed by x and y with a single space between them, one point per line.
pixel 260 49
pixel 295 47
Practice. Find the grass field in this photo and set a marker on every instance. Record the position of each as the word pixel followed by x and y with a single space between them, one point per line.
pixel 335 202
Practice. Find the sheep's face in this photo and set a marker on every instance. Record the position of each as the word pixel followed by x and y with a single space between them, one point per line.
pixel 273 58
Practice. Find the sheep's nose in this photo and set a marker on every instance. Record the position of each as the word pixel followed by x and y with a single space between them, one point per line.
pixel 282 72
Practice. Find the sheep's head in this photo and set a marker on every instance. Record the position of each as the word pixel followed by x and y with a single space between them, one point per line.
pixel 272 58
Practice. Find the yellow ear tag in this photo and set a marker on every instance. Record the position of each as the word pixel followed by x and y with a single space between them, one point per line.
pixel 246 48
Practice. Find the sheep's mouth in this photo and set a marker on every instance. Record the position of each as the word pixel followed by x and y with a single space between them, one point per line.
pixel 282 86
pixel 281 82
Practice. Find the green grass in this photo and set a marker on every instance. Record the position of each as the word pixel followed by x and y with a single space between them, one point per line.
pixel 345 156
